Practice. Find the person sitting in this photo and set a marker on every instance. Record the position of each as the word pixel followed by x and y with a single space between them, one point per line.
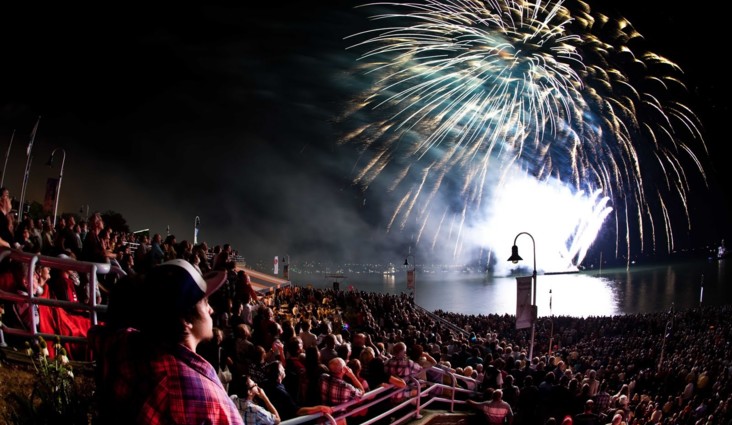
pixel 282 400
pixel 400 366
pixel 334 390
pixel 253 413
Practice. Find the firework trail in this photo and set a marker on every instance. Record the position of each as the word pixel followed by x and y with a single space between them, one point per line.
pixel 464 91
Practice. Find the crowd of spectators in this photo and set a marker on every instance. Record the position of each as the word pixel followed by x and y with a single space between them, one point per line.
pixel 670 368
pixel 309 349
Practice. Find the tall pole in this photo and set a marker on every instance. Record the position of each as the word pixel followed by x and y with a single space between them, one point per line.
pixel 412 272
pixel 196 224
pixel 29 159
pixel 60 178
pixel 7 155
pixel 515 258
pixel 551 318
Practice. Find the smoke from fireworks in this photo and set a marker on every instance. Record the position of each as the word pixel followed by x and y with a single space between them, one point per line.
pixel 466 95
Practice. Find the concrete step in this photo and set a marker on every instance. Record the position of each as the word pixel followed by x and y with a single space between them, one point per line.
pixel 444 417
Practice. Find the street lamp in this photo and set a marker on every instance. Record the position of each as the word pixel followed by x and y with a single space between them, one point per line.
pixel 196 223
pixel 515 258
pixel 60 177
pixel 26 173
pixel 411 275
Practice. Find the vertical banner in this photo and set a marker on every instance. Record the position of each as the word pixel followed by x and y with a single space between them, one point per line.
pixel 523 302
pixel 410 279
pixel 49 200
pixel 276 266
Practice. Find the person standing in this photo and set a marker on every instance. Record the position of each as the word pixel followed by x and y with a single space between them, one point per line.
pixel 147 369
pixel 282 400
pixel 6 206
pixel 495 411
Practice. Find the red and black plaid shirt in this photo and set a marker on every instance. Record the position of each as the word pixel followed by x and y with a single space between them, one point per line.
pixel 165 385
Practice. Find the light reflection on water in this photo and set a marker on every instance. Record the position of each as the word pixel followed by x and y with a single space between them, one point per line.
pixel 641 289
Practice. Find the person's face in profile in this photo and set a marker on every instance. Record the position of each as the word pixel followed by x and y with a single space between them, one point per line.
pixel 202 324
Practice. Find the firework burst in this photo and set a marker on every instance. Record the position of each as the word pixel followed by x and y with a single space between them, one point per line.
pixel 465 91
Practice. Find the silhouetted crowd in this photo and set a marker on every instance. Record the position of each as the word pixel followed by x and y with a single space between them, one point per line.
pixel 670 367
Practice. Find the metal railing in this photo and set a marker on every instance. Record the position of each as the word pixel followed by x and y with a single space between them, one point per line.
pixel 424 393
pixel 35 260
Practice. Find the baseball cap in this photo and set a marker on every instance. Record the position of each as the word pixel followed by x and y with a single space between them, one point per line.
pixel 176 285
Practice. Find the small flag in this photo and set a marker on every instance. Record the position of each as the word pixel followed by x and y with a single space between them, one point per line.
pixel 32 137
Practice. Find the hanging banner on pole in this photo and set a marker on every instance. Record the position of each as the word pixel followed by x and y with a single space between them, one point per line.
pixel 410 279
pixel 49 200
pixel 523 302
pixel 276 266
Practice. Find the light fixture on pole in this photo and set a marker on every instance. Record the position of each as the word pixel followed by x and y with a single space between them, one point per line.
pixel 411 275
pixel 515 258
pixel 196 224
pixel 60 177
pixel 26 173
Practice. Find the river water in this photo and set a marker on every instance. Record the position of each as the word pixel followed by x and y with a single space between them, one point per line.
pixel 606 292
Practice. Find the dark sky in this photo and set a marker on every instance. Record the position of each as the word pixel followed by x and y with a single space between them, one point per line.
pixel 230 113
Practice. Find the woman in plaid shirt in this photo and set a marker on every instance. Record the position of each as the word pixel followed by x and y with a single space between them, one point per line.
pixel 148 371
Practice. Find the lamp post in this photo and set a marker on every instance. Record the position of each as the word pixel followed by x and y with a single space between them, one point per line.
pixel 515 258
pixel 411 275
pixel 60 177
pixel 196 223
pixel 26 173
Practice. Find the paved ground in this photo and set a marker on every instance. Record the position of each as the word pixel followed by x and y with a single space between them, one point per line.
pixel 444 417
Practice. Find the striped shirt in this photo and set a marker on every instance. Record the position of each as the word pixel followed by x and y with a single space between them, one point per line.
pixel 254 414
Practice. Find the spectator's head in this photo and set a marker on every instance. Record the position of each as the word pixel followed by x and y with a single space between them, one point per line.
pixel 337 367
pixel 177 301
pixel 274 371
pixel 344 351
pixel 330 341
pixel 367 354
pixel 399 349
pixel 355 366
pixel 250 388
pixel 294 346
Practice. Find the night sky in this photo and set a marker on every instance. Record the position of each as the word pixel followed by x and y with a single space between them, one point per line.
pixel 230 113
